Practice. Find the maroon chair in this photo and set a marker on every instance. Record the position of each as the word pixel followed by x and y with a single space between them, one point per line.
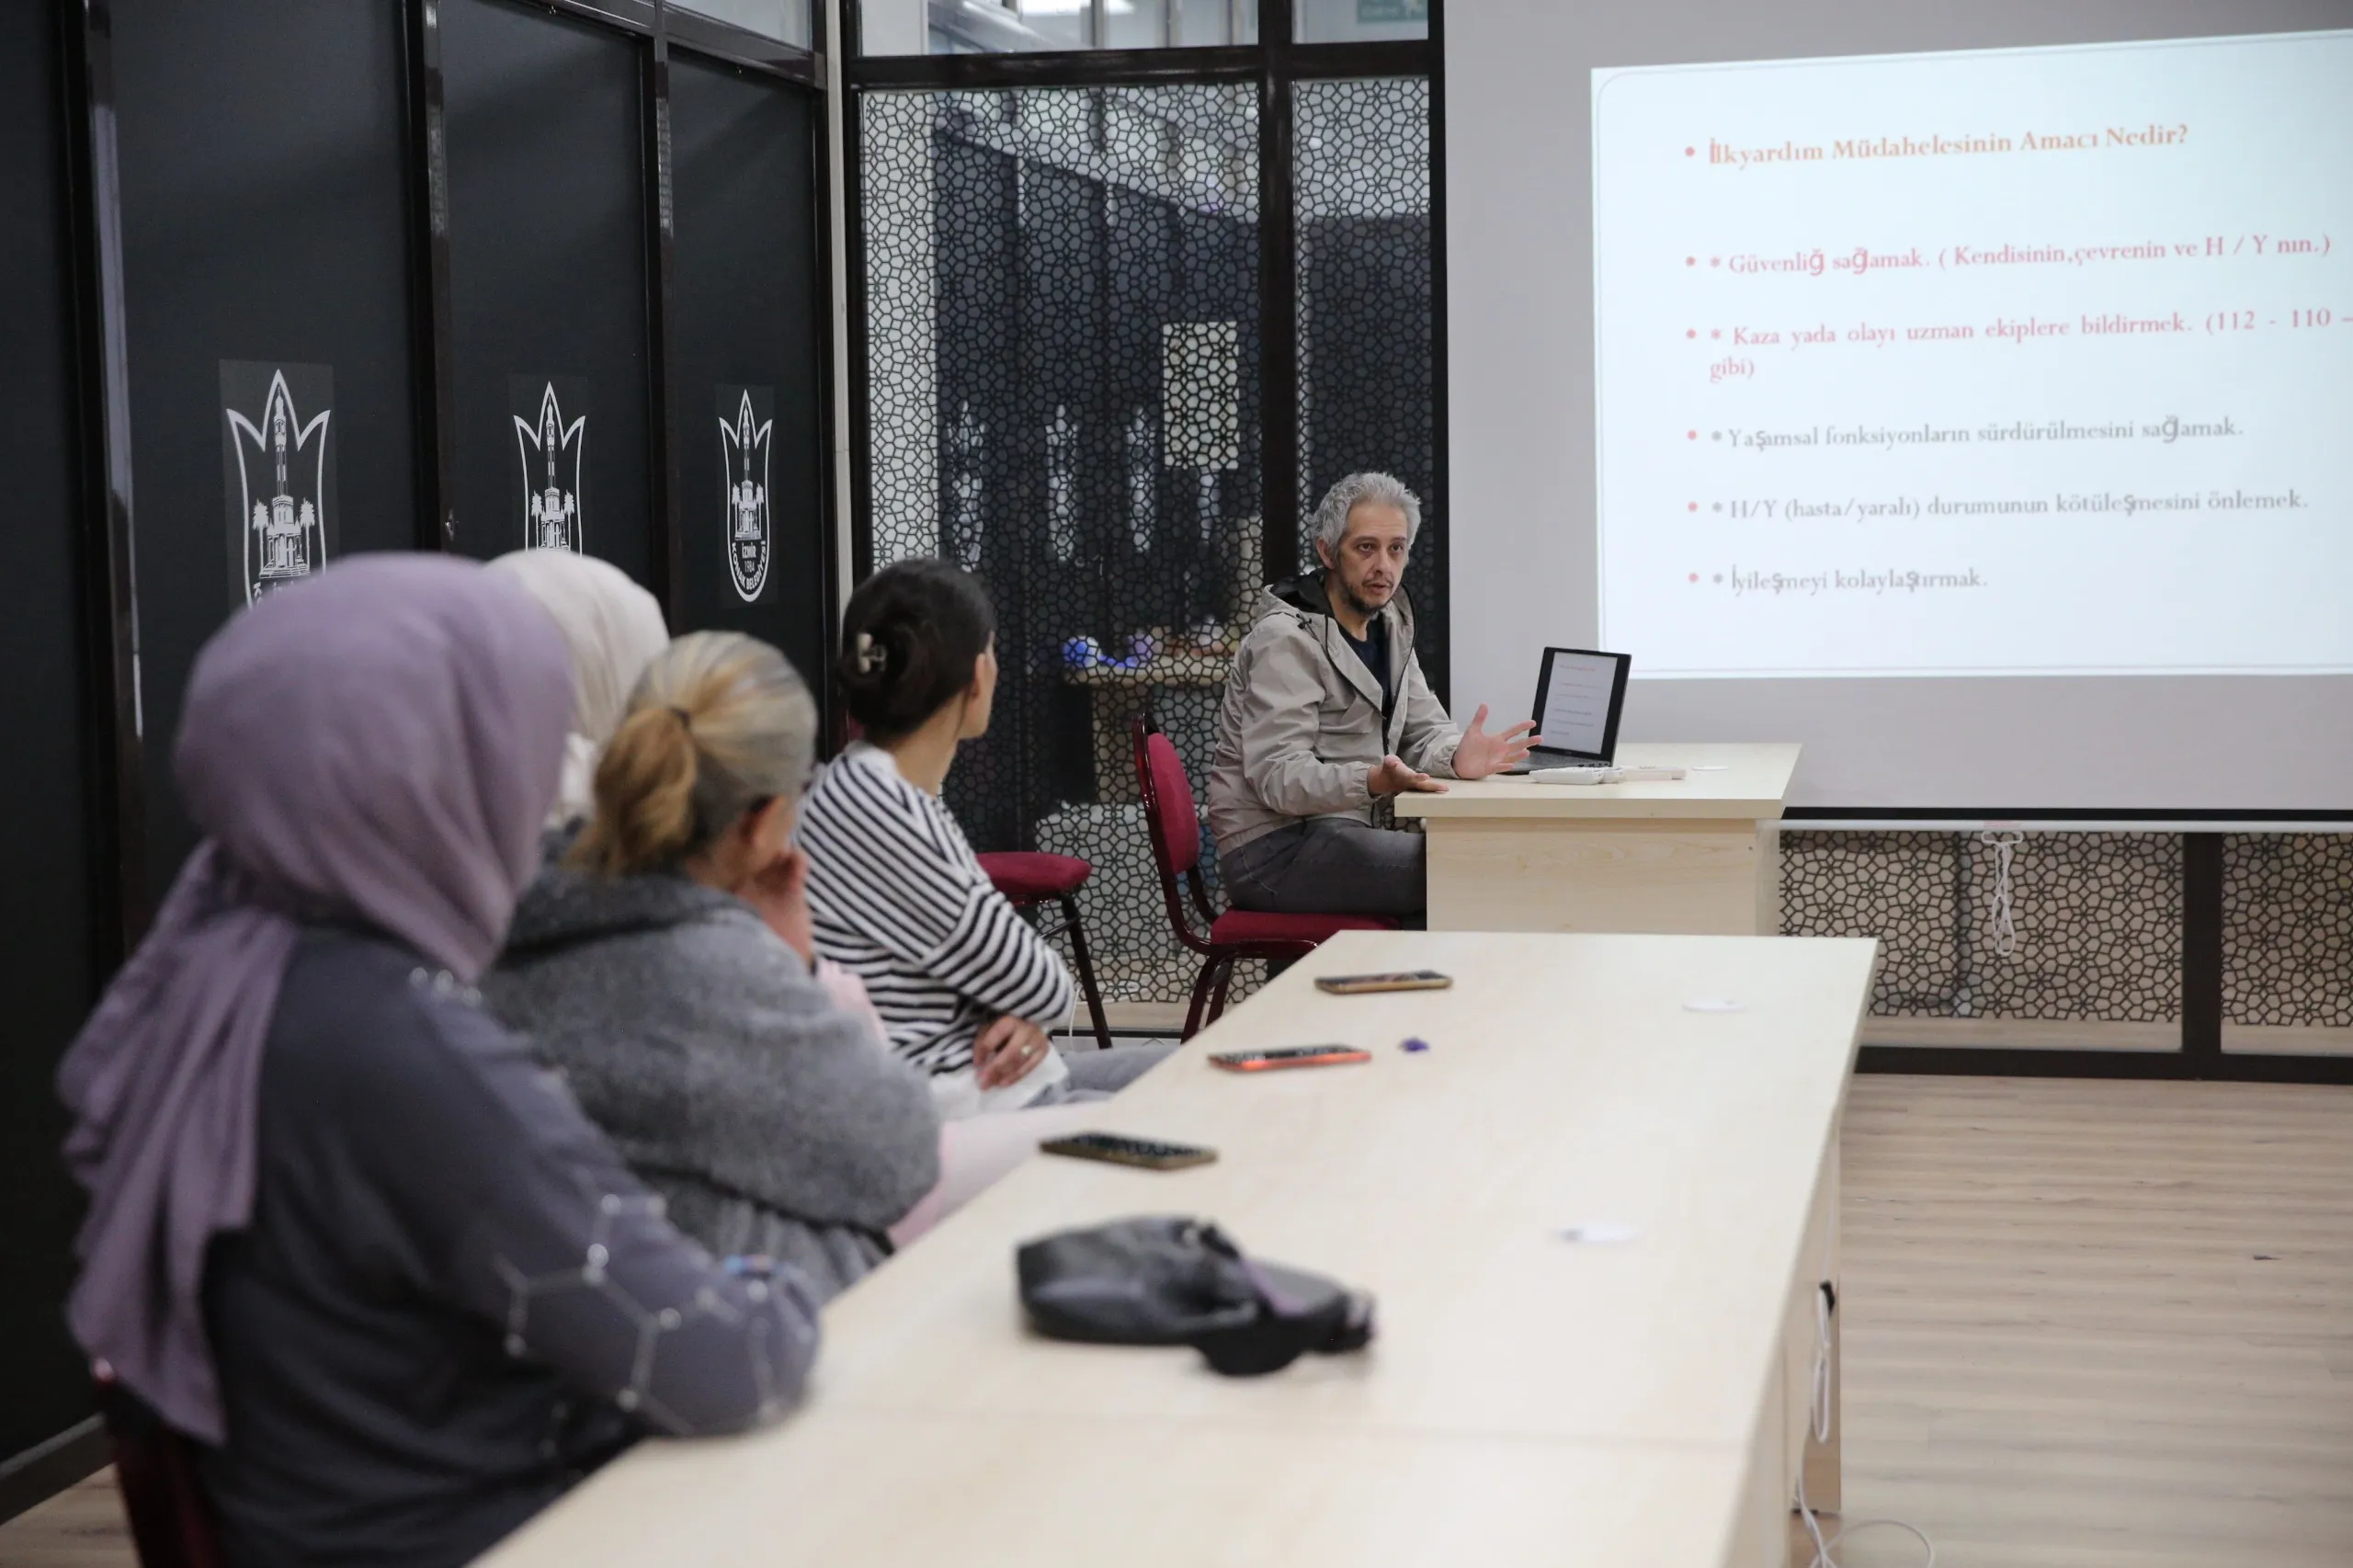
pixel 1238 934
pixel 1027 877
pixel 171 1518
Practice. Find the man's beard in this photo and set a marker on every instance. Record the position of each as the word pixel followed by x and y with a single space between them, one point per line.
pixel 1356 603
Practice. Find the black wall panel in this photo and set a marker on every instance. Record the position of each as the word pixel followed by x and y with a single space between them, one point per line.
pixel 277 282
pixel 744 270
pixel 46 865
pixel 264 221
pixel 547 278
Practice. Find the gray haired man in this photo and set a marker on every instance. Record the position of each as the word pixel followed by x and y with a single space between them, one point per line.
pixel 1325 714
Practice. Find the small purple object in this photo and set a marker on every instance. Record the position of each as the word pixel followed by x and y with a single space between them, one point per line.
pixel 1415 1045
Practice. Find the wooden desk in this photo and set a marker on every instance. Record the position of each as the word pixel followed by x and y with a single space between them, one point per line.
pixel 1699 856
pixel 1529 1400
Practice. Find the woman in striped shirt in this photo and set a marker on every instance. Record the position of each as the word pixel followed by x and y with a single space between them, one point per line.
pixel 966 987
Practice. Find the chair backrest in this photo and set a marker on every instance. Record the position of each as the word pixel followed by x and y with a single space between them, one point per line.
pixel 1171 802
pixel 171 1518
pixel 1174 827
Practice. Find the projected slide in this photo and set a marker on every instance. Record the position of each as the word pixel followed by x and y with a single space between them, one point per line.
pixel 2015 362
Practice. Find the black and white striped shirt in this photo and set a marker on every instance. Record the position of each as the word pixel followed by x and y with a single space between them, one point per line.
pixel 897 898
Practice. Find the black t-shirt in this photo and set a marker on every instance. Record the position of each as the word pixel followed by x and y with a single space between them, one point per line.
pixel 1372 649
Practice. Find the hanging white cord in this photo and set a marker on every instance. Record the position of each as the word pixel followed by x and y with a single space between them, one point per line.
pixel 2003 844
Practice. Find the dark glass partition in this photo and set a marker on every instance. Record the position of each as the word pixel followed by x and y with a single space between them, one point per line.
pixel 755 474
pixel 50 917
pixel 265 235
pixel 548 285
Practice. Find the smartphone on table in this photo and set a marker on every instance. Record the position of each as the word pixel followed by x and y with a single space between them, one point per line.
pixel 1117 1149
pixel 1369 984
pixel 1288 1056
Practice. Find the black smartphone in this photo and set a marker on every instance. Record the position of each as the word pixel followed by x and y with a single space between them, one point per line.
pixel 1120 1150
pixel 1289 1056
pixel 1365 985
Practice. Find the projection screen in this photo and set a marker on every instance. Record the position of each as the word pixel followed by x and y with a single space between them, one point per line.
pixel 1966 393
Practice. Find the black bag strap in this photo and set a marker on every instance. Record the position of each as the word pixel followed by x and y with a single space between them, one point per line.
pixel 1288 1324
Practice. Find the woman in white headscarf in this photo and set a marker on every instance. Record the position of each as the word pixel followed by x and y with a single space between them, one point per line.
pixel 612 629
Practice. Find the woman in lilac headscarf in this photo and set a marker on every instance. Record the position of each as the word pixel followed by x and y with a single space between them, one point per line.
pixel 343 1231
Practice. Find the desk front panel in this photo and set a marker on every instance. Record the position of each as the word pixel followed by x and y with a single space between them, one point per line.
pixel 856 1490
pixel 1683 878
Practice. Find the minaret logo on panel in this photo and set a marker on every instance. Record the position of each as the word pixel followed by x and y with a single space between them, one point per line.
pixel 550 452
pixel 281 469
pixel 743 458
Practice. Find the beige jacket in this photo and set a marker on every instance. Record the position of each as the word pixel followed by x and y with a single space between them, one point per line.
pixel 1301 725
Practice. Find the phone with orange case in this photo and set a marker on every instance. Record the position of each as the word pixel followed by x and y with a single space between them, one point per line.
pixel 1289 1056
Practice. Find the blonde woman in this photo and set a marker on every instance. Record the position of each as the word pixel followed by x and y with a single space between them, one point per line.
pixel 665 965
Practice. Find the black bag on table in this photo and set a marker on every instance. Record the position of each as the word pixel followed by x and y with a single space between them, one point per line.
pixel 1169 1280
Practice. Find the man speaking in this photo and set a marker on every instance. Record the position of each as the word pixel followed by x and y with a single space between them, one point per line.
pixel 1326 715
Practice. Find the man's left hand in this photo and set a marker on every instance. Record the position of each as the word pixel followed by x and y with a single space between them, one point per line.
pixel 1481 754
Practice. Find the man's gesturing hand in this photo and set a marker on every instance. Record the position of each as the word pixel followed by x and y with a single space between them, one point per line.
pixel 1481 754
pixel 1390 776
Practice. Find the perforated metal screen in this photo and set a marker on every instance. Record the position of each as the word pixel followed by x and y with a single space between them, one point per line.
pixel 1062 367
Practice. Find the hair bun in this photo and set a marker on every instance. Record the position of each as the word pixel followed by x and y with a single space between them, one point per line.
pixel 911 637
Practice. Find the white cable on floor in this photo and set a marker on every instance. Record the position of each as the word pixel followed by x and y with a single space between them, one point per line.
pixel 1819 1427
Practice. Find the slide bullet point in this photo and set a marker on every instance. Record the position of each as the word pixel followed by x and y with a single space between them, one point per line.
pixel 1715 332
pixel 1691 261
pixel 1691 151
pixel 1692 332
pixel 1715 261
pixel 1693 508
pixel 1690 435
pixel 1695 576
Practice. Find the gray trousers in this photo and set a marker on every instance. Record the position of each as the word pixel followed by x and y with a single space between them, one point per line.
pixel 1329 866
pixel 1097 1074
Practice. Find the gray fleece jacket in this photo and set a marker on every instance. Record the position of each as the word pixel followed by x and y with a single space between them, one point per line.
pixel 767 1117
pixel 1302 723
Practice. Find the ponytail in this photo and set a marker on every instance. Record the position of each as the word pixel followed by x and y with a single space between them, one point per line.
pixel 719 724
pixel 645 795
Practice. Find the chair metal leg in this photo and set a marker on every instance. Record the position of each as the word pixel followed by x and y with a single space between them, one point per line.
pixel 1211 968
pixel 1085 970
pixel 1217 1001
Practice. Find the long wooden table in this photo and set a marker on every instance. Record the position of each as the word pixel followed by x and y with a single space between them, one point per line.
pixel 1529 1398
pixel 1698 855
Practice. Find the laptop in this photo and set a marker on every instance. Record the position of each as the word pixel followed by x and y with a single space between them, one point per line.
pixel 1579 695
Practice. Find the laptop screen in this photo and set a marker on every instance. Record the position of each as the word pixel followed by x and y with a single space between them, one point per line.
pixel 1577 692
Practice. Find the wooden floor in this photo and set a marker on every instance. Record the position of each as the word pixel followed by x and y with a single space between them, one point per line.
pixel 2088 1325
pixel 80 1529
pixel 2101 1324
